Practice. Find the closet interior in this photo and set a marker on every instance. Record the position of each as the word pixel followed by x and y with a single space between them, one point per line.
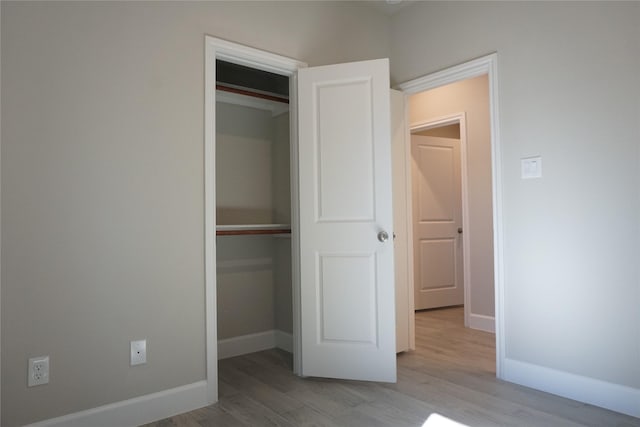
pixel 253 210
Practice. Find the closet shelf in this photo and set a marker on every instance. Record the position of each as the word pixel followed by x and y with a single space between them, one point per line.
pixel 253 93
pixel 252 229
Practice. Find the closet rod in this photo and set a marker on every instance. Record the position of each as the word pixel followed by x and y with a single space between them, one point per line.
pixel 250 93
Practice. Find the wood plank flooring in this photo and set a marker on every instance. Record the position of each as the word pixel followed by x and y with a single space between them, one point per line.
pixel 452 372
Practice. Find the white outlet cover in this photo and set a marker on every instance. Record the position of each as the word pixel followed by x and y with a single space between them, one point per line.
pixel 38 372
pixel 138 352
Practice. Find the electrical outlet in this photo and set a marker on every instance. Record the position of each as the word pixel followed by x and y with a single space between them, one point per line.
pixel 138 352
pixel 38 371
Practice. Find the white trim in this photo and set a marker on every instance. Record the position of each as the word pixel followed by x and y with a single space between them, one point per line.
pixel 136 411
pixel 474 68
pixel 245 344
pixel 251 227
pixel 235 264
pixel 251 343
pixel 232 52
pixel 450 119
pixel 211 322
pixel 615 397
pixel 254 58
pixel 482 322
pixel 477 67
pixel 295 223
pixel 409 210
pixel 284 340
pixel 0 235
pixel 275 108
pixel 402 220
pixel 461 119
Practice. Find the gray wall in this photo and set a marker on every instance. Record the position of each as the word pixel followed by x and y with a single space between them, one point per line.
pixel 569 77
pixel 102 177
pixel 470 96
pixel 102 183
pixel 244 172
pixel 245 285
pixel 283 305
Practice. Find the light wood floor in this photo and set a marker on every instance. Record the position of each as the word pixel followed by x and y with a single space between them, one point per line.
pixel 452 372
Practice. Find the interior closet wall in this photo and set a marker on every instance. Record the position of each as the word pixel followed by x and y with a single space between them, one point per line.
pixel 283 305
pixel 252 187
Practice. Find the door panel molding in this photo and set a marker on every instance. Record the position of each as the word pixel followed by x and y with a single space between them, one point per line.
pixel 347 291
pixel 352 200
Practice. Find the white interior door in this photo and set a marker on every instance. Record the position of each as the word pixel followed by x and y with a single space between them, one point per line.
pixel 437 216
pixel 346 243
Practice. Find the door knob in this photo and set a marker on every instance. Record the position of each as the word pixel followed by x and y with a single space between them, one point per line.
pixel 459 230
pixel 383 236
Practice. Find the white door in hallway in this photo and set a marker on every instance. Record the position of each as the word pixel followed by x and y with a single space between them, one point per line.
pixel 346 227
pixel 437 228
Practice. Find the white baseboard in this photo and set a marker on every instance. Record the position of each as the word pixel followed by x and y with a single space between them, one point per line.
pixel 244 344
pixel 236 346
pixel 607 395
pixel 139 410
pixel 482 322
pixel 284 341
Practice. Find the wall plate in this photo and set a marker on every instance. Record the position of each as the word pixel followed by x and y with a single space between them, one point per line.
pixel 38 371
pixel 531 167
pixel 138 352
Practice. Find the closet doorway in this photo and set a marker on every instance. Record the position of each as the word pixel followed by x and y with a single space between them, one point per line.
pixel 344 214
pixel 251 214
pixel 253 210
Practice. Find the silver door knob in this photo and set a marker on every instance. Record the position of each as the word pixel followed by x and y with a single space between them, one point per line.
pixel 383 236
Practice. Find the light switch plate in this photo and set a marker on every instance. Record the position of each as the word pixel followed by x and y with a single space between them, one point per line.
pixel 531 167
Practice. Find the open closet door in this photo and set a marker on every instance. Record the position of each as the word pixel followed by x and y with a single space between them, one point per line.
pixel 346 235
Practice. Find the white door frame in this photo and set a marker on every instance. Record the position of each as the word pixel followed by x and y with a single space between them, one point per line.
pixel 0 265
pixel 485 65
pixel 239 54
pixel 457 118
